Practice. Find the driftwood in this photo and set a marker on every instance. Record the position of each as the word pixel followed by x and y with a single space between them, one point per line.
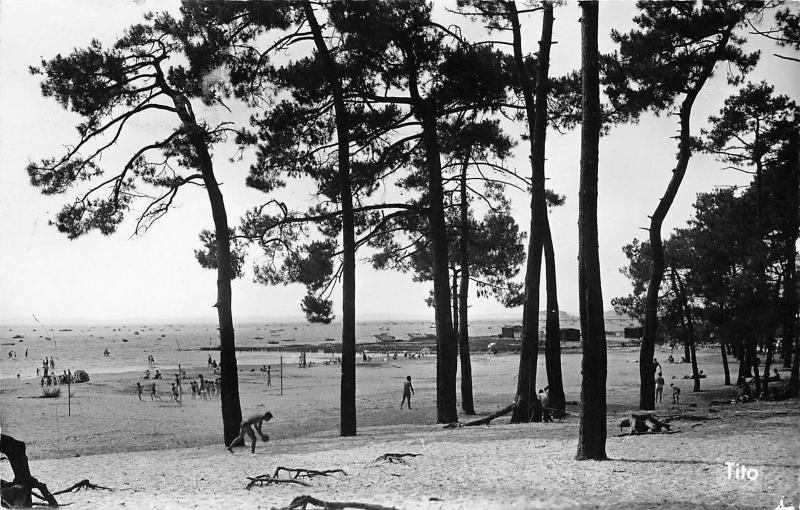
pixel 18 492
pixel 83 484
pixel 396 458
pixel 298 472
pixel 302 502
pixel 268 480
pixel 485 420
pixel 303 472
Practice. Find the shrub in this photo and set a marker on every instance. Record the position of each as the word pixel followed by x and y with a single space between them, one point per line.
pixel 51 391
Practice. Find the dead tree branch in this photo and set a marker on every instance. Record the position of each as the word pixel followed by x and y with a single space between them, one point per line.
pixel 268 480
pixel 396 458
pixel 83 484
pixel 485 420
pixel 303 472
pixel 302 502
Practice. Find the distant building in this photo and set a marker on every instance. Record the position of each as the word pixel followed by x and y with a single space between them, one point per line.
pixel 634 332
pixel 511 332
pixel 570 335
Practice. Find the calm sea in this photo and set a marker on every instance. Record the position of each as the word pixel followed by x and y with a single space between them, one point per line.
pixel 82 346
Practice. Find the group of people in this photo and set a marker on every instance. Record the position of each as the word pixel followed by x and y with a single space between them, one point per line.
pixel 676 391
pixel 203 389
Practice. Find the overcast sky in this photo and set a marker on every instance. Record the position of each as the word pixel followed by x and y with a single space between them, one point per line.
pixel 155 276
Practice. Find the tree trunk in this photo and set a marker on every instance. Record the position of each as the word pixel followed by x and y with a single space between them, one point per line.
pixel 229 372
pixel 752 356
pixel 725 364
pixel 646 365
pixel 536 110
pixel 446 344
pixel 768 365
pixel 467 404
pixel 454 295
pixel 793 302
pixel 592 429
pixel 348 383
pixel 552 345
pixel 687 352
pixel 680 292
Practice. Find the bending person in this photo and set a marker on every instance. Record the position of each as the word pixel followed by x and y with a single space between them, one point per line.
pixel 247 429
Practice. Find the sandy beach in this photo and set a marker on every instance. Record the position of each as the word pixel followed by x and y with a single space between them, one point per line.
pixel 163 455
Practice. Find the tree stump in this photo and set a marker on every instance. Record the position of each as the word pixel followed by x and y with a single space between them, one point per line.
pixel 646 423
pixel 18 493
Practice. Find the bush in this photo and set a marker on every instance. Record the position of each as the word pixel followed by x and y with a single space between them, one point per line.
pixel 51 391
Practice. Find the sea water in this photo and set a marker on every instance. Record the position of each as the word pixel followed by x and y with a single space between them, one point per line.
pixel 82 346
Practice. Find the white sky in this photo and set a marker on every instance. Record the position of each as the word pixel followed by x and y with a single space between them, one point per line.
pixel 155 276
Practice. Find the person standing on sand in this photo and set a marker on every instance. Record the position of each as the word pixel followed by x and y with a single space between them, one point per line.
pixel 659 388
pixel 408 390
pixel 139 390
pixel 247 429
pixel 153 394
pixel 269 375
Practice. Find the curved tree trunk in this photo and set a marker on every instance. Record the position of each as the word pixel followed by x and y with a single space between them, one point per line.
pixel 647 391
pixel 229 372
pixel 552 343
pixel 592 429
pixel 536 110
pixel 348 384
pixel 467 404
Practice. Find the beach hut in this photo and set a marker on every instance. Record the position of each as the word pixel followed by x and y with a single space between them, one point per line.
pixel 511 332
pixel 570 335
pixel 634 332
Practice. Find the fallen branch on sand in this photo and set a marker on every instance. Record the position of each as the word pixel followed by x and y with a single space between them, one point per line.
pixel 396 458
pixel 268 480
pixel 83 484
pixel 303 472
pixel 486 420
pixel 302 502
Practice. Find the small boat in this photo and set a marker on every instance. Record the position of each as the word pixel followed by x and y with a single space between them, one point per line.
pixel 258 338
pixel 65 329
pixel 17 336
pixel 330 339
pixel 272 342
pixel 287 340
pixel 124 339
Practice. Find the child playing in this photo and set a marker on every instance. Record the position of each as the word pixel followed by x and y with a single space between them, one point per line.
pixel 408 390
